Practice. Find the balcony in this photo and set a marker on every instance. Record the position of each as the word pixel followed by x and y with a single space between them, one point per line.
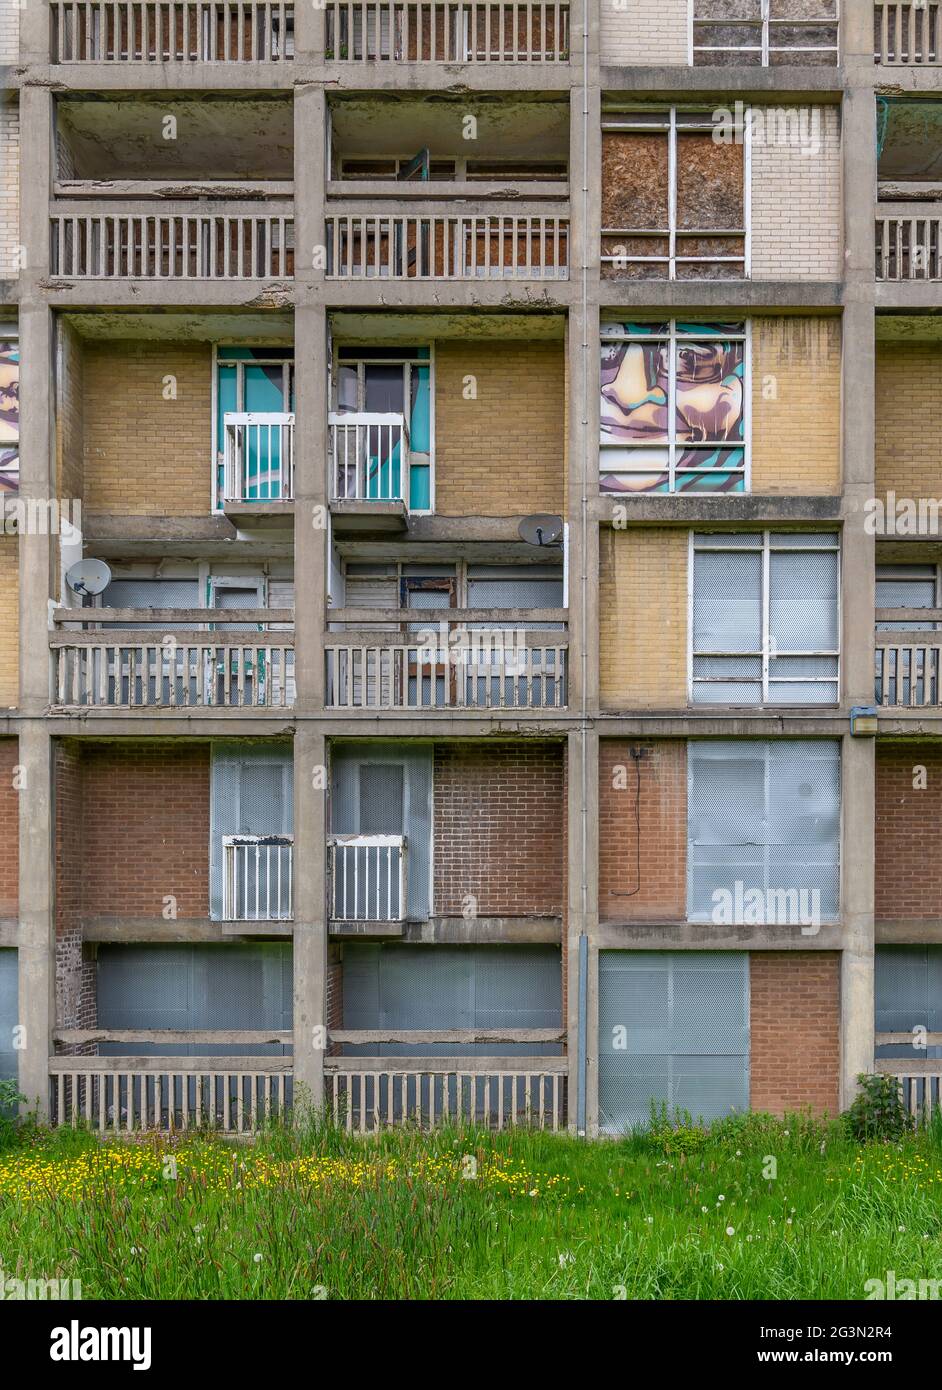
pixel 908 243
pixel 906 33
pixel 439 31
pixel 368 459
pixel 367 878
pixel 173 667
pixel 908 661
pixel 172 31
pixel 180 242
pixel 510 243
pixel 453 666
pixel 258 459
pixel 257 878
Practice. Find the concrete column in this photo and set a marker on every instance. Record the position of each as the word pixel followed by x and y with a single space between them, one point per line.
pixel 36 954
pixel 310 924
pixel 34 36
pixel 582 912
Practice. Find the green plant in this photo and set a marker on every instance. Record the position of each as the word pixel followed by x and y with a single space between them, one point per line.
pixel 677 1133
pixel 10 1101
pixel 878 1111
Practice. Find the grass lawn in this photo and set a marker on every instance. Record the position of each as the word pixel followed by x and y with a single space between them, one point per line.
pixel 475 1215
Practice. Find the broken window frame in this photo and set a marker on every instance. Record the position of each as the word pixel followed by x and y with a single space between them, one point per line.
pixel 768 26
pixel 765 543
pixel 674 119
pixel 676 448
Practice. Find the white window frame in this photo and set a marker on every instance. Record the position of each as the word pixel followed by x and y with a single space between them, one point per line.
pixel 683 118
pixel 765 546
pixel 767 27
pixel 673 446
pixel 366 360
pixel 287 386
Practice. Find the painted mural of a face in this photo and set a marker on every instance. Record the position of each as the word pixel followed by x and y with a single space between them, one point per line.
pixel 9 416
pixel 634 406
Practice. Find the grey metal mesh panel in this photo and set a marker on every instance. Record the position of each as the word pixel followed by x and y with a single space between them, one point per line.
pixel 905 586
pixel 395 986
pixel 803 601
pixel 9 1010
pixel 231 986
pixel 347 812
pixel 908 994
pixel 727 602
pixel 152 593
pixel 489 589
pixel 251 793
pixel 382 798
pixel 684 1017
pixel 766 815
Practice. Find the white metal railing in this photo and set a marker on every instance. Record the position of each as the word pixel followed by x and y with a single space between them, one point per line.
pixel 130 1094
pixel 367 878
pixel 258 459
pixel 440 31
pixel 497 669
pixel 182 671
pixel 906 31
pixel 171 246
pixel 909 247
pixel 907 672
pixel 172 31
pixel 369 457
pixel 257 878
pixel 442 246
pixel 367 1094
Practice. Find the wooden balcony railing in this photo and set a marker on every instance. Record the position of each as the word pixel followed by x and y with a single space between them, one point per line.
pixel 906 32
pixel 440 31
pixel 176 243
pixel 908 243
pixel 172 31
pixel 437 244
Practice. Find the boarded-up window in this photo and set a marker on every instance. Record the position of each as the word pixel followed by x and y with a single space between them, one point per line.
pixel 765 33
pixel 672 197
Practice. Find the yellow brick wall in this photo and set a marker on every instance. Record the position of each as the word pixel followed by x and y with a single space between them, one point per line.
pixel 796 195
pixel 646 33
pixel 9 623
pixel 70 398
pixel 9 185
pixel 908 387
pixel 144 454
pixel 502 454
pixel 796 406
pixel 643 619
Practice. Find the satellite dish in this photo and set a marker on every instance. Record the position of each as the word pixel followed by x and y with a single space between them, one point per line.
pixel 541 529
pixel 88 577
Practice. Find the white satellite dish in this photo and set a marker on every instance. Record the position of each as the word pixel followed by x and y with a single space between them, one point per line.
pixel 541 529
pixel 88 577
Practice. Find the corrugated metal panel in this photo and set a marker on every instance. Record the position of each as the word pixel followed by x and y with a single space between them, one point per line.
pixel 394 986
pixel 908 989
pixel 9 1013
pixel 350 812
pixel 231 986
pixel 673 1029
pixel 251 793
pixel 765 815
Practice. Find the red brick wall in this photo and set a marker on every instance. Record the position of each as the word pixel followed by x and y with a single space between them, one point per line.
pixel 9 830
pixel 333 1004
pixel 649 885
pixel 795 1030
pixel 75 972
pixel 145 829
pixel 908 848
pixel 499 816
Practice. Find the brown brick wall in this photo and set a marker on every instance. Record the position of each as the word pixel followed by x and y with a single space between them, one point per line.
pixel 655 889
pixel 503 453
pixel 9 622
pixel 333 1007
pixel 75 985
pixel 796 406
pixel 70 411
pixel 908 384
pixel 795 1030
pixel 145 455
pixel 643 619
pixel 908 872
pixel 9 829
pixel 499 820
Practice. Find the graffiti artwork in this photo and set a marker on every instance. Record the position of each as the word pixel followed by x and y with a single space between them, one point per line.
pixel 9 415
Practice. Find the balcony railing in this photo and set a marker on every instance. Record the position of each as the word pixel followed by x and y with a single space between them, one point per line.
pixel 454 665
pixel 258 461
pixel 172 31
pixel 907 671
pixel 366 1094
pixel 367 876
pixel 909 244
pixel 257 878
pixel 920 1080
pixel 439 245
pixel 906 32
pixel 368 457
pixel 177 243
pixel 172 667
pixel 439 31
